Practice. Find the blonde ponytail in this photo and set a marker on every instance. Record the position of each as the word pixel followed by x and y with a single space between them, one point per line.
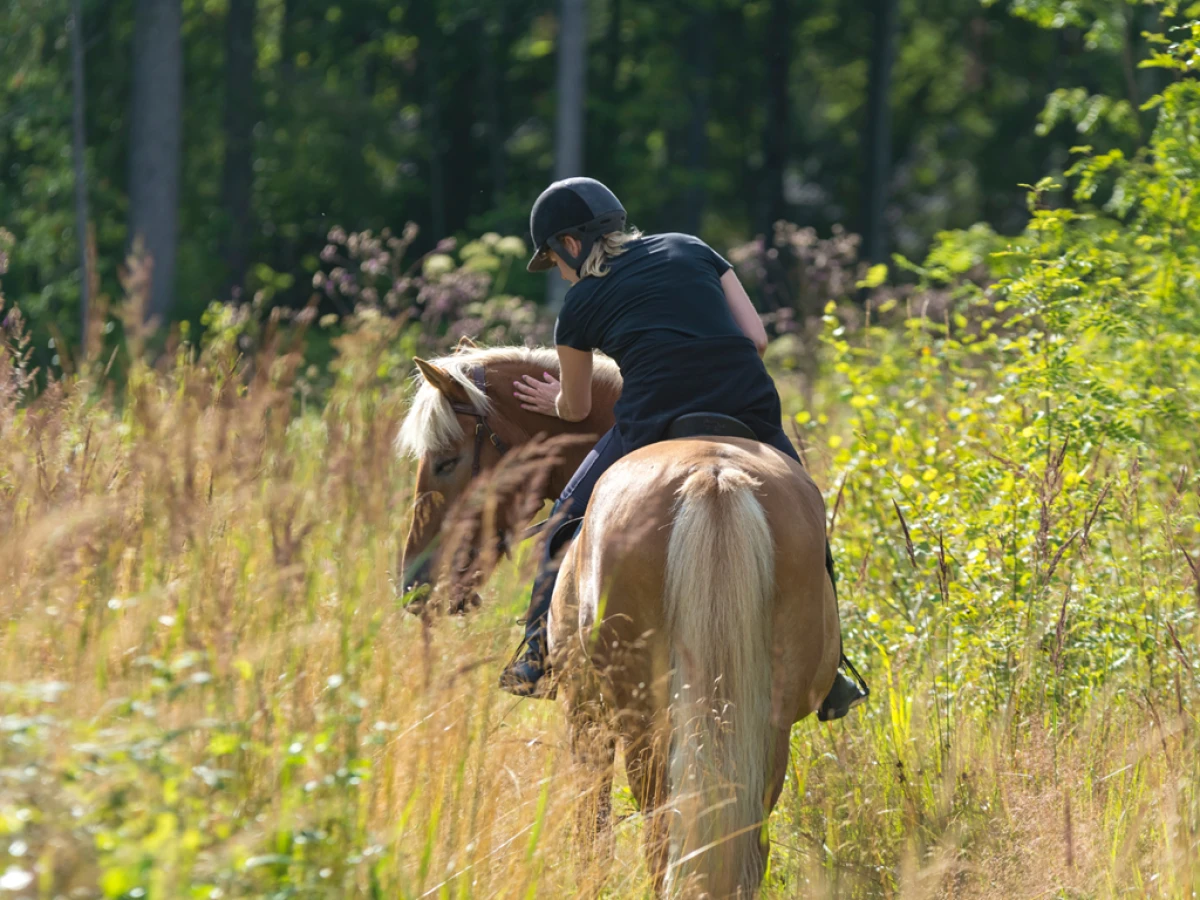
pixel 607 247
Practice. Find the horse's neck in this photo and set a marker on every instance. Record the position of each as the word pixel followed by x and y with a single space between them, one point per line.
pixel 528 425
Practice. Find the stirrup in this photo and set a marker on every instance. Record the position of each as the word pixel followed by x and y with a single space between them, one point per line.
pixel 837 707
pixel 862 682
pixel 542 688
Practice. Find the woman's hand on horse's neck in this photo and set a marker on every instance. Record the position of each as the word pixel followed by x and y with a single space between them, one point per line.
pixel 538 395
pixel 520 426
pixel 569 399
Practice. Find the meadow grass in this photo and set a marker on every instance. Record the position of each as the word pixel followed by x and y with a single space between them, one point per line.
pixel 211 688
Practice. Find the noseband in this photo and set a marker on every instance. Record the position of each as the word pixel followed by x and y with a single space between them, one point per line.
pixel 482 428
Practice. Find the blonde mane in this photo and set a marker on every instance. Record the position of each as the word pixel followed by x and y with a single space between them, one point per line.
pixel 431 426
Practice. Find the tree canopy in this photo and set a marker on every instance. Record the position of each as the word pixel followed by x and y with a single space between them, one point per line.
pixel 713 116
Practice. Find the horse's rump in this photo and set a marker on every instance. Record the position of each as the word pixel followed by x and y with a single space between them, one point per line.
pixel 697 589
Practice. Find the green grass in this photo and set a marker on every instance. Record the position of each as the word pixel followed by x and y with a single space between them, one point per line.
pixel 211 690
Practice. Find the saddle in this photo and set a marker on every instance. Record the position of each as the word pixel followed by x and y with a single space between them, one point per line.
pixel 706 424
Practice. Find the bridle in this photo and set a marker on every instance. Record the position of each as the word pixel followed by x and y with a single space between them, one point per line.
pixel 482 428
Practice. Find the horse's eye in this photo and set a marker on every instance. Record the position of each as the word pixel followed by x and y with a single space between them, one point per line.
pixel 444 467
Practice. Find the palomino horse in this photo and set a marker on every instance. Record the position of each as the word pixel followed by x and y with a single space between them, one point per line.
pixel 693 619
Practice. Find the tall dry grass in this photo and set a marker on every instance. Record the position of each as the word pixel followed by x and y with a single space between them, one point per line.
pixel 210 688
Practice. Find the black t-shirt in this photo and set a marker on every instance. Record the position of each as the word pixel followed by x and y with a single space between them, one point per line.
pixel 661 314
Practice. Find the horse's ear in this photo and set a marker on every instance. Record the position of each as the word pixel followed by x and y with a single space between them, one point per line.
pixel 440 379
pixel 465 343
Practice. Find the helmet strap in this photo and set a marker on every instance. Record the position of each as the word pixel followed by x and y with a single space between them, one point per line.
pixel 574 261
pixel 586 235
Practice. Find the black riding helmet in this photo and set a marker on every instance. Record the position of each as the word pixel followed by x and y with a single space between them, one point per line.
pixel 580 207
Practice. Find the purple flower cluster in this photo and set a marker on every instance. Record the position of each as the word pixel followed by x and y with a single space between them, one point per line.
pixel 450 291
pixel 366 269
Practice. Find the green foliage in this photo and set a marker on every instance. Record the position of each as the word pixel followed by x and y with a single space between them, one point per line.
pixel 1053 400
pixel 441 112
pixel 1010 464
pixel 1087 112
pixel 37 182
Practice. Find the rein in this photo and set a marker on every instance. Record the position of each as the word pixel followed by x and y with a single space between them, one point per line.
pixel 482 428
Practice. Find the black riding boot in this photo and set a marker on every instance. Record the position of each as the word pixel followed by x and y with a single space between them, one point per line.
pixel 843 696
pixel 846 693
pixel 523 676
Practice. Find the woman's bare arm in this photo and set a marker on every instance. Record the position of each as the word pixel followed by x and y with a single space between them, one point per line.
pixel 743 311
pixel 575 393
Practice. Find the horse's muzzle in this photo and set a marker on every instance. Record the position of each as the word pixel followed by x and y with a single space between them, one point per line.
pixel 418 573
pixel 418 569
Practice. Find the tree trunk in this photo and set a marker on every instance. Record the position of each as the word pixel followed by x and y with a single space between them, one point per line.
pixel 572 69
pixel 238 175
pixel 79 150
pixel 1129 34
pixel 568 132
pixel 287 39
pixel 424 24
pixel 495 69
pixel 878 140
pixel 614 47
pixel 155 141
pixel 698 54
pixel 461 157
pixel 777 133
pixel 733 30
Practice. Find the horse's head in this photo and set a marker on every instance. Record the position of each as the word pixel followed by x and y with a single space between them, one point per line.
pixel 462 420
pixel 454 432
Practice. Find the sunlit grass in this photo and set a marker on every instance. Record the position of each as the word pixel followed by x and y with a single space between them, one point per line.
pixel 211 689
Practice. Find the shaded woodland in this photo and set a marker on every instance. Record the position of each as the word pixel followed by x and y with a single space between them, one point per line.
pixel 231 135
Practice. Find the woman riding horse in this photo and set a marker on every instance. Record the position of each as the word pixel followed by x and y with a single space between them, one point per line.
pixel 672 314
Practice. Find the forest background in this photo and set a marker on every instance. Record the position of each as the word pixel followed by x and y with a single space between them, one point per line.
pixel 233 135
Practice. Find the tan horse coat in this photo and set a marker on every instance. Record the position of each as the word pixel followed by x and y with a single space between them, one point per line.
pixel 694 620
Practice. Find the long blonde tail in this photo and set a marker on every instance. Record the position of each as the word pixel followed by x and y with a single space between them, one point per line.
pixel 719 584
